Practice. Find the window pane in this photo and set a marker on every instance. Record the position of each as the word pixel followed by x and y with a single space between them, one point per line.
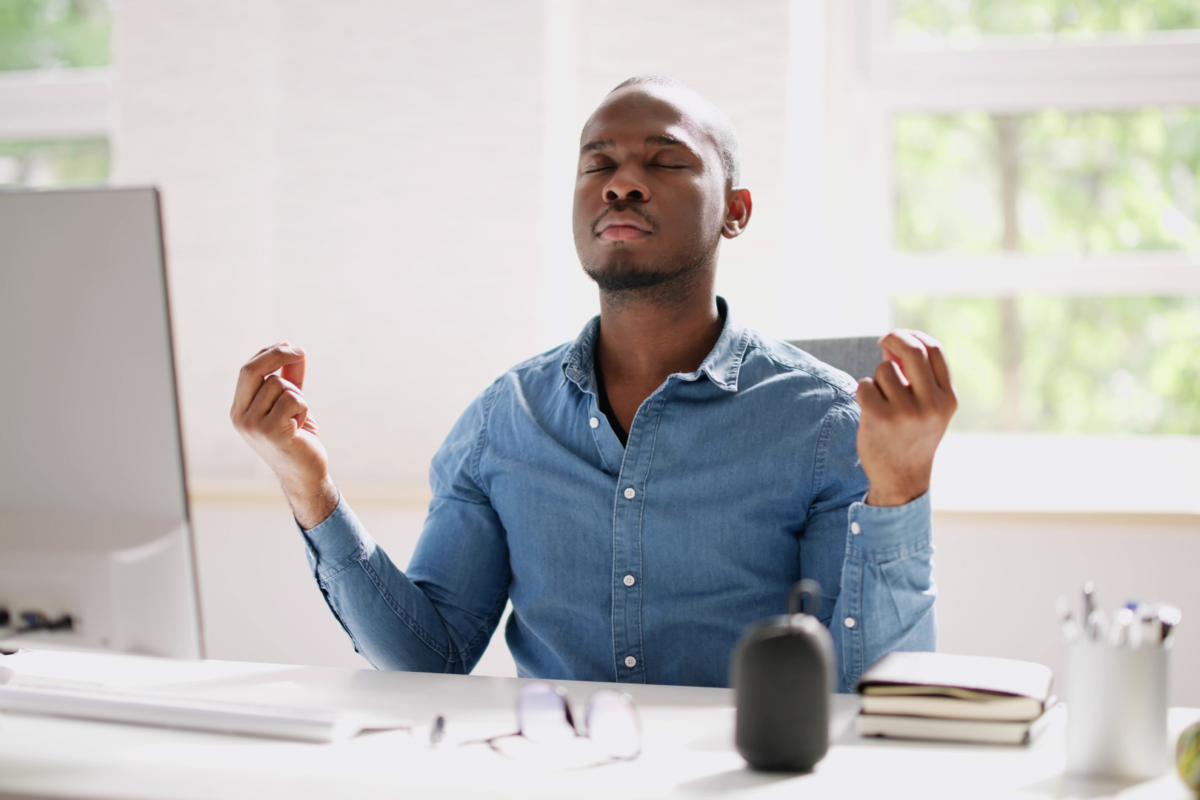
pixel 1049 182
pixel 963 22
pixel 45 34
pixel 62 163
pixel 1085 365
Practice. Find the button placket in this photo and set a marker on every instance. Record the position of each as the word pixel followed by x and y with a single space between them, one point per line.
pixel 628 519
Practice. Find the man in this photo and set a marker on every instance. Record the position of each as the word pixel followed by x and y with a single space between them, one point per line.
pixel 645 492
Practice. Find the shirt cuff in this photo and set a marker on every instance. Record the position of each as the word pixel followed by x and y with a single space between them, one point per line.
pixel 886 533
pixel 336 543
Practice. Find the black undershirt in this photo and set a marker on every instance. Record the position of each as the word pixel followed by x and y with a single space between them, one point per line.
pixel 606 407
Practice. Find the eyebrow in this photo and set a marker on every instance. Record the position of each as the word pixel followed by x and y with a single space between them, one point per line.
pixel 660 139
pixel 599 144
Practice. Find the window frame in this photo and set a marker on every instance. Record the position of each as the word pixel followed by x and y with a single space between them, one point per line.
pixel 56 104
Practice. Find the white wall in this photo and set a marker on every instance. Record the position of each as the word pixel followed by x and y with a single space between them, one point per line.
pixel 366 179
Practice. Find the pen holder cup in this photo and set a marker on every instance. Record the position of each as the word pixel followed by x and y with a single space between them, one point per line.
pixel 1116 711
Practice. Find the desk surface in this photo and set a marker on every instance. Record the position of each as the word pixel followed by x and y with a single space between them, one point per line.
pixel 688 746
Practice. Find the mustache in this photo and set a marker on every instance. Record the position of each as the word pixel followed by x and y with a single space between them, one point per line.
pixel 619 207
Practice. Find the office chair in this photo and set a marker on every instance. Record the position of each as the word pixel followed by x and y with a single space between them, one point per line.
pixel 855 355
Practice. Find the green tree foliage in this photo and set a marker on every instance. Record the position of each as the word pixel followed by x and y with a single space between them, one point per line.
pixel 1087 365
pixel 47 34
pixel 74 162
pixel 964 21
pixel 1088 182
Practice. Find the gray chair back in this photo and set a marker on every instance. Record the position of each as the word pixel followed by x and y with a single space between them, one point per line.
pixel 858 356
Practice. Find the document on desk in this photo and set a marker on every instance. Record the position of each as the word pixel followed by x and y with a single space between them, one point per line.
pixel 955 698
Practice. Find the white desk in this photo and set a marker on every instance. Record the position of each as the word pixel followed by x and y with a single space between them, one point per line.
pixel 688 746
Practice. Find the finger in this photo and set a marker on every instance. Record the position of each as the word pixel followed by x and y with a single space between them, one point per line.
pixel 294 371
pixel 290 406
pixel 310 425
pixel 937 359
pixel 272 387
pixel 888 355
pixel 910 352
pixel 259 367
pixel 891 384
pixel 870 398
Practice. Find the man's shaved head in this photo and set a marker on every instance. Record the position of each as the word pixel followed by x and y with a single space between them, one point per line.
pixel 720 128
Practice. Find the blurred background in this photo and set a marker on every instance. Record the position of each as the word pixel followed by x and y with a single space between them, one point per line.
pixel 389 185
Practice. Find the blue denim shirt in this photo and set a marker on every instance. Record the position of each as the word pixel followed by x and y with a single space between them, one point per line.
pixel 641 563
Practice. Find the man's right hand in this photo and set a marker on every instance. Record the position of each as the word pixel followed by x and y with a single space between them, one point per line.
pixel 270 412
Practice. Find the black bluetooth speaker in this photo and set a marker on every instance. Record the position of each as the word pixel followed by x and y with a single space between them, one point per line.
pixel 782 676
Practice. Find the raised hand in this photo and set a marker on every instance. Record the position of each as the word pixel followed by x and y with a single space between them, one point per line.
pixel 905 410
pixel 271 414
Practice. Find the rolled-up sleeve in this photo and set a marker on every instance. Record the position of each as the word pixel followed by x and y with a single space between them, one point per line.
pixel 441 615
pixel 886 596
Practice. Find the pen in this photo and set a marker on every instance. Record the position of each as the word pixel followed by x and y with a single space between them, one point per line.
pixel 1149 629
pixel 1089 607
pixel 1168 617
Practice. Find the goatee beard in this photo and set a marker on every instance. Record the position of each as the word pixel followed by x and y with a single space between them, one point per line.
pixel 622 281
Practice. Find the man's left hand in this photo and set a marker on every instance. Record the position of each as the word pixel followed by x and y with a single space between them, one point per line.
pixel 905 410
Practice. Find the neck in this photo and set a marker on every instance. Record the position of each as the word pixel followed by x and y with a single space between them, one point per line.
pixel 644 340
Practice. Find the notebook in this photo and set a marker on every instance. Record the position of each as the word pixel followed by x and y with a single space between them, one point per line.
pixel 954 698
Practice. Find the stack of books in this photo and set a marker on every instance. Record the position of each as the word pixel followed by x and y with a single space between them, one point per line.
pixel 955 698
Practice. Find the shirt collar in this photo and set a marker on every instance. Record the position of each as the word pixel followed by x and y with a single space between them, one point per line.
pixel 721 366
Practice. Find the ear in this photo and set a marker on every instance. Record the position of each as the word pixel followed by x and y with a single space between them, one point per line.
pixel 738 206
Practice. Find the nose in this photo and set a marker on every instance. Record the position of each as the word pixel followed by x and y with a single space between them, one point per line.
pixel 626 183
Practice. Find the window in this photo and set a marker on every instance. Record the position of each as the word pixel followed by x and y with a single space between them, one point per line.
pixel 1044 205
pixel 1021 178
pixel 54 92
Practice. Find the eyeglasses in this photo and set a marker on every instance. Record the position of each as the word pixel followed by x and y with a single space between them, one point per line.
pixel 547 732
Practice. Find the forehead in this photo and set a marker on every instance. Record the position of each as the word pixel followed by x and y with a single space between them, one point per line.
pixel 629 116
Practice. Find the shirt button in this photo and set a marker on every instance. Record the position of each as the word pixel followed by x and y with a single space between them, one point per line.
pixel 595 423
pixel 849 622
pixel 630 493
pixel 855 528
pixel 630 662
pixel 629 580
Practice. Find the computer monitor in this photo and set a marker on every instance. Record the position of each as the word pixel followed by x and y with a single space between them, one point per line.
pixel 94 524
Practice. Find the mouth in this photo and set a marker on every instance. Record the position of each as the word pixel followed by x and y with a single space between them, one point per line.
pixel 622 226
pixel 622 233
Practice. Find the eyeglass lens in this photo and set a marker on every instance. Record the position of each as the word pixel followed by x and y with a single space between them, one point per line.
pixel 612 724
pixel 543 714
